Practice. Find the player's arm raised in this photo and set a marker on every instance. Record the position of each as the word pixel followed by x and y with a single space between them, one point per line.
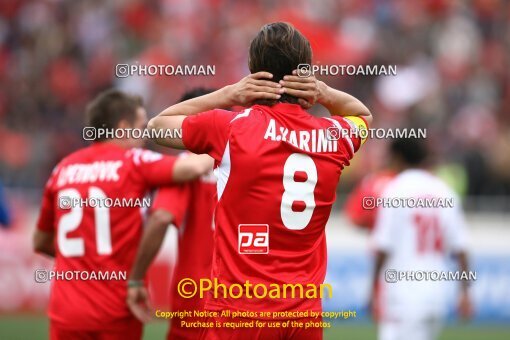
pixel 246 91
pixel 192 166
pixel 167 170
pixel 309 90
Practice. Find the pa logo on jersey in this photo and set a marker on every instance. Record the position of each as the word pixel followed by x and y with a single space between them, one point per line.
pixel 253 239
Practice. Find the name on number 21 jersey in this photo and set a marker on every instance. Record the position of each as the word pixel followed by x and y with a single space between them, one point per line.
pixel 278 168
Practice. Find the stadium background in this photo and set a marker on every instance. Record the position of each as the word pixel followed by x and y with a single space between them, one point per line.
pixel 453 79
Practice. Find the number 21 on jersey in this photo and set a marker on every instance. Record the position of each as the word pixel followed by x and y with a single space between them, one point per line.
pixel 429 233
pixel 70 247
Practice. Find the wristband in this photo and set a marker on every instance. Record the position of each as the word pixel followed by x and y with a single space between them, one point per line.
pixel 135 283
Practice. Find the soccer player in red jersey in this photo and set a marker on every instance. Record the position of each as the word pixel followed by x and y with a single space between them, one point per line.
pixel 102 237
pixel 190 207
pixel 358 207
pixel 277 168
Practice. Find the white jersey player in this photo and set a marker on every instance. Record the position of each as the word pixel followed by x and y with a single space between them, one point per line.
pixel 419 226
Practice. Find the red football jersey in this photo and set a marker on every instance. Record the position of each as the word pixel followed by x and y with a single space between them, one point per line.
pixel 96 239
pixel 192 205
pixel 277 169
pixel 356 207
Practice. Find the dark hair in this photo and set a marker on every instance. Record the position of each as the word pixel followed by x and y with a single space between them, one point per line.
pixel 411 151
pixel 195 92
pixel 110 107
pixel 279 48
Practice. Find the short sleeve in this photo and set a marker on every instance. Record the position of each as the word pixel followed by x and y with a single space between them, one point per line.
pixel 155 168
pixel 207 132
pixel 173 199
pixel 352 131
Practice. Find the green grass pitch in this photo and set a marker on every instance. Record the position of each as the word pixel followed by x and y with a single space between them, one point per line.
pixel 35 327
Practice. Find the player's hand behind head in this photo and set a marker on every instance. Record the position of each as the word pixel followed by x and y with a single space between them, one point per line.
pixel 306 89
pixel 254 87
pixel 139 304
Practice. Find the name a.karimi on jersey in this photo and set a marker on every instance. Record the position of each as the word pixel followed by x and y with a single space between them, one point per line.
pixel 325 140
pixel 315 140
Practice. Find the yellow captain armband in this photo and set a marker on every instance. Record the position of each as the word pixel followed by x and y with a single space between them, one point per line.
pixel 361 126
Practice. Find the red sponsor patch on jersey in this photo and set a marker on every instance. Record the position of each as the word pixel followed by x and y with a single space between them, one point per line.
pixel 253 239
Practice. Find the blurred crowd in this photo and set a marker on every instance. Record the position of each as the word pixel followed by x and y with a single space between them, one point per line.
pixel 452 57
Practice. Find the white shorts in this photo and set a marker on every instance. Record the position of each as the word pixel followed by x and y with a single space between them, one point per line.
pixel 420 329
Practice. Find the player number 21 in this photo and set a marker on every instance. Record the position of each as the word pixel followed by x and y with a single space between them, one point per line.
pixel 298 191
pixel 75 246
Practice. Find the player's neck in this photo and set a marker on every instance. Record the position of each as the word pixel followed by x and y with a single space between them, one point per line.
pixel 121 143
pixel 414 168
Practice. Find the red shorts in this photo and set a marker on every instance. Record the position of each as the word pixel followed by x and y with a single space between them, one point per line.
pixel 131 330
pixel 255 333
